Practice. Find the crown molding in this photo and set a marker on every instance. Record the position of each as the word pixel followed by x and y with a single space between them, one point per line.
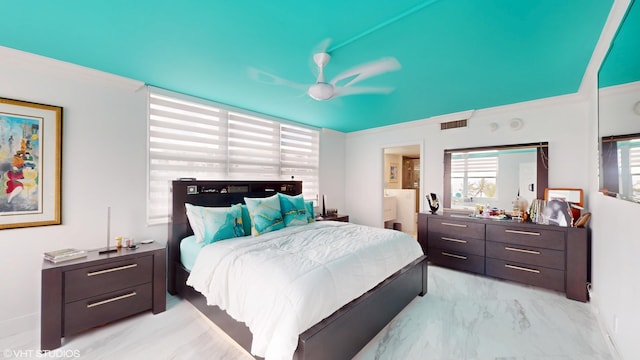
pixel 628 88
pixel 49 66
pixel 561 100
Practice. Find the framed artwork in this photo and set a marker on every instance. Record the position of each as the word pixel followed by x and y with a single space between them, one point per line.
pixel 393 172
pixel 30 164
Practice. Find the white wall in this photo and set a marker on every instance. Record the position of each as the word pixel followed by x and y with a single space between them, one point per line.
pixel 559 121
pixel 615 232
pixel 104 164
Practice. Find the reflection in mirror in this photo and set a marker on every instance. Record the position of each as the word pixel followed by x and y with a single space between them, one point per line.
pixel 619 111
pixel 621 166
pixel 494 176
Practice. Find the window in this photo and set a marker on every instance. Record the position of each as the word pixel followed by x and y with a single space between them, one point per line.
pixel 473 176
pixel 191 137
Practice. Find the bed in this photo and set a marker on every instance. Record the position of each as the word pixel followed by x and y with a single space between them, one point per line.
pixel 340 335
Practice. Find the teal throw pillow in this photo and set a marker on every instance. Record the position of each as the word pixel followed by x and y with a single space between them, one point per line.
pixel 265 214
pixel 216 223
pixel 293 210
pixel 311 216
pixel 246 220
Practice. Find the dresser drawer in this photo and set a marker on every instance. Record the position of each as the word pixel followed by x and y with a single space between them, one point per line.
pixel 456 228
pixel 467 246
pixel 527 274
pixel 541 238
pixel 526 255
pixel 100 279
pixel 99 310
pixel 457 260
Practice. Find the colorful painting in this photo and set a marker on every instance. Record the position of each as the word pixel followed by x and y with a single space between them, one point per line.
pixel 30 160
pixel 20 155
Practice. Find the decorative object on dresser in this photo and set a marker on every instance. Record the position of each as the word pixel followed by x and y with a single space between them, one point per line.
pixel 32 143
pixel 434 203
pixel 99 289
pixel 340 335
pixel 552 257
pixel 62 255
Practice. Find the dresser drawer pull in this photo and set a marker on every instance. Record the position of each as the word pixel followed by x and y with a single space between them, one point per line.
pixel 454 225
pixel 121 297
pixel 454 255
pixel 454 240
pixel 105 271
pixel 522 268
pixel 533 252
pixel 523 232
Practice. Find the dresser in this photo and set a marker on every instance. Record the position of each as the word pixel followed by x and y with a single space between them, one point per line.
pixel 551 257
pixel 84 293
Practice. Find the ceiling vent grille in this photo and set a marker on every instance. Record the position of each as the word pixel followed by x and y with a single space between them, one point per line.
pixel 453 124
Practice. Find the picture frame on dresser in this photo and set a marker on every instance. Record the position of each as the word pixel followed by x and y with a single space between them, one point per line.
pixel 31 133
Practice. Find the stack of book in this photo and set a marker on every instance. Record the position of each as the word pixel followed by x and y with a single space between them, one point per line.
pixel 64 255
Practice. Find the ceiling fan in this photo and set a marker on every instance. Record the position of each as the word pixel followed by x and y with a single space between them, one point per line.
pixel 342 84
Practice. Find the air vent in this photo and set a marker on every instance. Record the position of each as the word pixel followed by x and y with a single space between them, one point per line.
pixel 453 124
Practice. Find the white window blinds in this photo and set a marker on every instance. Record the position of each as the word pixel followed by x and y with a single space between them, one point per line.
pixel 191 137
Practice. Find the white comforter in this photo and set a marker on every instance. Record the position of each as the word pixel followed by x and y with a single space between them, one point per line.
pixel 281 283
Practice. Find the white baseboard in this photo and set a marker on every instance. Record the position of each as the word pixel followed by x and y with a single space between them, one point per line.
pixel 29 322
pixel 606 333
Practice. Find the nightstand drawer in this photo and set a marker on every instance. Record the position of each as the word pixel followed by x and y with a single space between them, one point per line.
pixel 542 238
pixel 457 260
pixel 526 254
pixel 99 310
pixel 528 274
pixel 457 229
pixel 95 280
pixel 451 242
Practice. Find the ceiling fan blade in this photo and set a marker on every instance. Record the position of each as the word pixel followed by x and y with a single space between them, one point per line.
pixel 357 90
pixel 367 70
pixel 270 79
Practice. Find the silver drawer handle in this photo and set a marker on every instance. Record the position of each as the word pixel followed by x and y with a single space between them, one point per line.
pixel 94 273
pixel 454 225
pixel 523 232
pixel 522 250
pixel 454 240
pixel 121 297
pixel 454 255
pixel 522 268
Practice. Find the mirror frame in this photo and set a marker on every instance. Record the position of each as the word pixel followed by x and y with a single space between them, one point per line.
pixel 542 167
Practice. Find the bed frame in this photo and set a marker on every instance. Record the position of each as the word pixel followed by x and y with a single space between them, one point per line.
pixel 339 336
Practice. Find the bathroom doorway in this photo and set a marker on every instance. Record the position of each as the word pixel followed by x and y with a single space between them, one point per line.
pixel 402 182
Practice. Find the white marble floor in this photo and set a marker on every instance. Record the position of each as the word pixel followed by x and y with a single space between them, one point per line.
pixel 462 317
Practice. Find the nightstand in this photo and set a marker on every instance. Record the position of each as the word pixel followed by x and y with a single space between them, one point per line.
pixel 337 217
pixel 81 294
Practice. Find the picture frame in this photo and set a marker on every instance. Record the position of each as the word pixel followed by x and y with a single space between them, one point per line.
pixel 556 212
pixel 393 172
pixel 30 164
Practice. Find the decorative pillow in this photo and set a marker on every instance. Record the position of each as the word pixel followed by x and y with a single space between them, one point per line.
pixel 293 210
pixel 215 223
pixel 246 220
pixel 265 214
pixel 311 216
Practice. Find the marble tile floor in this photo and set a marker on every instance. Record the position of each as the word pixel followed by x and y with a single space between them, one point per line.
pixel 462 317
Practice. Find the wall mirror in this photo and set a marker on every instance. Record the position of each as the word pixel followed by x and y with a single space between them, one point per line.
pixel 494 175
pixel 619 111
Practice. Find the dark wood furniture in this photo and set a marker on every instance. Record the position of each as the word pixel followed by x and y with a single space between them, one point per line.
pixel 337 217
pixel 339 336
pixel 84 293
pixel 547 256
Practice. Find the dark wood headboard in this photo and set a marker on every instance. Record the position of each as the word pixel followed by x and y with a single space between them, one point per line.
pixel 213 194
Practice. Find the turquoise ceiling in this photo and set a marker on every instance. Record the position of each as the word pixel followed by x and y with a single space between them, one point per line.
pixel 622 64
pixel 456 54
